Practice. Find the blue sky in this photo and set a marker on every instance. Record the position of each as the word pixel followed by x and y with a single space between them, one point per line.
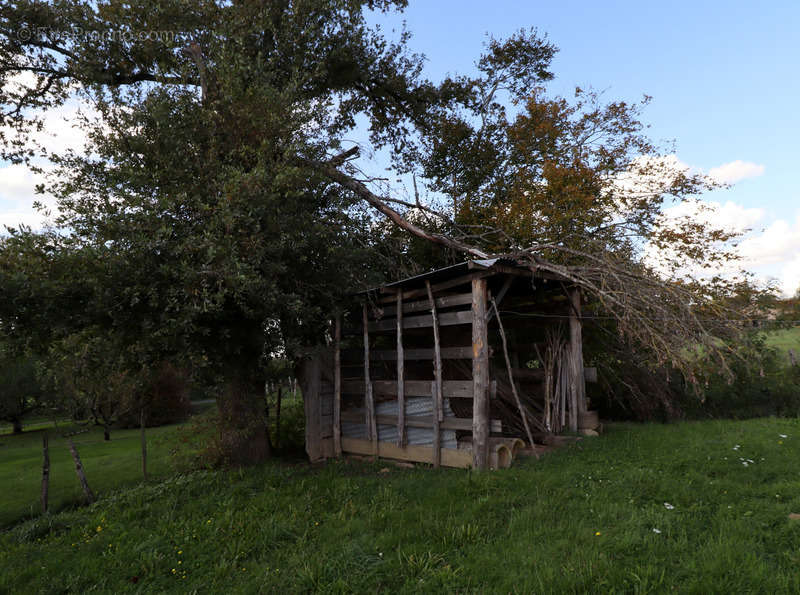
pixel 724 79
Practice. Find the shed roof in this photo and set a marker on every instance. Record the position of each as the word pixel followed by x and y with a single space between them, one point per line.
pixel 456 270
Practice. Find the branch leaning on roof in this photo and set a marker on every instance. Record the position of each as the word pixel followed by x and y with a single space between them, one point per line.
pixel 653 312
pixel 329 170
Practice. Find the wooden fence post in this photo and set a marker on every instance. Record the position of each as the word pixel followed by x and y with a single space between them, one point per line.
pixel 401 387
pixel 81 475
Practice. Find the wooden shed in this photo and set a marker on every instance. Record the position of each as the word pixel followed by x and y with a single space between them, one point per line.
pixel 460 367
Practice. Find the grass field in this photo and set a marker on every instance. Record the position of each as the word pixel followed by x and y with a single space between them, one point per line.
pixel 108 465
pixel 697 507
pixel 785 339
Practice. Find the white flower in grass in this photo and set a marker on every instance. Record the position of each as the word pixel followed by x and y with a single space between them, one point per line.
pixel 656 530
pixel 736 447
pixel 783 436
pixel 668 506
pixel 745 463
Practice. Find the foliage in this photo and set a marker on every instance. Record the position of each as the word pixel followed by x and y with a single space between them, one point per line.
pixel 217 221
pixel 20 390
pixel 592 517
pixel 90 374
pixel 164 399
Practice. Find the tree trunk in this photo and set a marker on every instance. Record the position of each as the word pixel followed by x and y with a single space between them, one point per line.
pixel 144 443
pixel 278 418
pixel 81 475
pixel 106 433
pixel 17 422
pixel 45 472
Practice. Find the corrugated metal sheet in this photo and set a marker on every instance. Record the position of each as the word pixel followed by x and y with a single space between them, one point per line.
pixel 414 436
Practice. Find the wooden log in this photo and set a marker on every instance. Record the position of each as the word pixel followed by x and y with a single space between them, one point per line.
pixel 401 391
pixel 452 389
pixel 368 394
pixel 511 379
pixel 45 472
pixel 480 376
pixel 419 454
pixel 337 386
pixel 81 475
pixel 792 358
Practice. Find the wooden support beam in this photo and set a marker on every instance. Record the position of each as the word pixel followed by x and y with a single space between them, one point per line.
pixel 501 294
pixel 511 379
pixel 437 355
pixel 576 350
pixel 401 392
pixel 368 396
pixel 419 454
pixel 480 376
pixel 337 386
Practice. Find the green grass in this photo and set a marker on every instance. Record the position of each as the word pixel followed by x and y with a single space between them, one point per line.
pixel 108 465
pixel 583 519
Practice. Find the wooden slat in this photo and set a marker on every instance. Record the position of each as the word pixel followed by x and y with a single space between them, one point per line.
pixel 401 393
pixel 480 376
pixel 420 421
pixel 448 301
pixel 417 454
pixel 337 386
pixel 413 388
pixel 390 355
pixel 423 321
pixel 450 283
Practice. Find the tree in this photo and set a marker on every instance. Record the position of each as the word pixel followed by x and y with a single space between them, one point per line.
pixel 20 392
pixel 221 219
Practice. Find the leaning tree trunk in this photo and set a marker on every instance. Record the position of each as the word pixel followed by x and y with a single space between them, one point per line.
pixel 17 422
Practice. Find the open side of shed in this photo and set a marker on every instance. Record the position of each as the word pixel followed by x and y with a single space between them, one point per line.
pixel 459 367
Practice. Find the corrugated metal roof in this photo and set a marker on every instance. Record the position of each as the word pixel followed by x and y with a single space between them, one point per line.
pixel 451 272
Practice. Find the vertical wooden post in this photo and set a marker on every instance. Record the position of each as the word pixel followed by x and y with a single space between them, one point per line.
pixel 401 386
pixel 437 434
pixel 309 373
pixel 372 430
pixel 480 376
pixel 337 386
pixel 45 472
pixel 437 357
pixel 81 475
pixel 577 380
pixel 522 413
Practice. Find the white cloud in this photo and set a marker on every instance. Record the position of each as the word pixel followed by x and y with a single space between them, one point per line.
pixel 735 171
pixel 770 250
pixel 17 195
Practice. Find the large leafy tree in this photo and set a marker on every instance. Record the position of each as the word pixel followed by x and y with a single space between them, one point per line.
pixel 221 215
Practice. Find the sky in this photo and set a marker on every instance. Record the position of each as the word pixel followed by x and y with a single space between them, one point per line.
pixel 724 78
